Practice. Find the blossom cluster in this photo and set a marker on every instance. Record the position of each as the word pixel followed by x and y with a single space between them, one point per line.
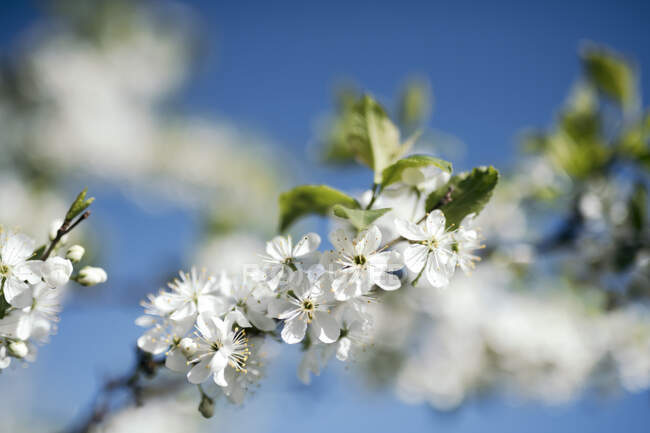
pixel 211 327
pixel 32 288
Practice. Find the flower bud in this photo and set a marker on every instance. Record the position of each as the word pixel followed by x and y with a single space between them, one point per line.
pixel 54 229
pixel 206 407
pixel 75 253
pixel 90 275
pixel 56 271
pixel 188 346
pixel 18 349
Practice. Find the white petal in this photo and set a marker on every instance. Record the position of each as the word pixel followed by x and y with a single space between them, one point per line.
pixel 410 230
pixel 201 371
pixel 326 327
pixel 16 248
pixel 210 304
pixel 219 378
pixel 14 290
pixel 306 245
pixel 261 321
pixel 206 327
pixel 369 241
pixel 219 363
pixel 238 317
pixel 388 281
pixel 56 271
pixel 279 248
pixel 342 241
pixel 278 306
pixel 415 257
pixel 435 223
pixel 349 284
pixel 153 341
pixel 294 331
pixel 187 310
pixel 390 261
pixel 176 361
pixel 31 270
pixel 436 275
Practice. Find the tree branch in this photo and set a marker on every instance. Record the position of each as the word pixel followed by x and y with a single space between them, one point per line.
pixel 65 228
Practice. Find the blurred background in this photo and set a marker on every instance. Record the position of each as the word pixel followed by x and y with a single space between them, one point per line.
pixel 187 119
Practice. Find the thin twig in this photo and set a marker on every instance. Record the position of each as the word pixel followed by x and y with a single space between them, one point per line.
pixel 65 228
pixel 374 196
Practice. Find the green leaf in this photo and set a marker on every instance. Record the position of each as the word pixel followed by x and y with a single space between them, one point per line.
pixel 38 252
pixel 394 172
pixel 336 148
pixel 80 204
pixel 415 103
pixel 373 137
pixel 471 191
pixel 357 217
pixel 634 140
pixel 637 207
pixel 611 75
pixel 311 199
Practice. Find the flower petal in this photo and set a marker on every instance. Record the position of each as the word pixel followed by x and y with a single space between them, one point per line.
pixel 306 245
pixel 437 275
pixel 294 331
pixel 342 241
pixel 435 223
pixel 388 281
pixel 176 361
pixel 415 257
pixel 326 327
pixel 16 248
pixel 369 241
pixel 409 230
pixel 201 371
pixel 17 293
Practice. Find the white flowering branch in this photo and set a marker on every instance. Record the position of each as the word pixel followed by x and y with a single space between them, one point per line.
pixel 31 284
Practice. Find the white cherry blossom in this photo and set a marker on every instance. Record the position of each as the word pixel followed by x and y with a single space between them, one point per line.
pixel 306 304
pixel 362 265
pixel 193 294
pixel 16 268
pixel 431 248
pixel 283 258
pixel 218 347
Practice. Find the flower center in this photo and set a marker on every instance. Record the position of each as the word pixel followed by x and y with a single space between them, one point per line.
pixel 308 305
pixel 216 345
pixel 359 260
pixel 432 244
pixel 289 262
pixel 4 270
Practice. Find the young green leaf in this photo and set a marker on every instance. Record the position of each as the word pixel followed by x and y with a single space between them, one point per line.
pixel 394 172
pixel 373 137
pixel 310 199
pixel 470 192
pixel 360 219
pixel 80 204
pixel 611 75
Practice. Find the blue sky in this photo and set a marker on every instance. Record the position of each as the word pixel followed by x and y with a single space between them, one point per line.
pixel 495 68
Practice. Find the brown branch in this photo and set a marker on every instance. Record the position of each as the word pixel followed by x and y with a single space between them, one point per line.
pixel 65 228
